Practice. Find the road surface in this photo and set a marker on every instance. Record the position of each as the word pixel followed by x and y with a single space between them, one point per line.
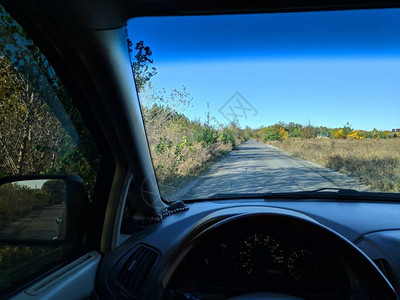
pixel 37 225
pixel 258 168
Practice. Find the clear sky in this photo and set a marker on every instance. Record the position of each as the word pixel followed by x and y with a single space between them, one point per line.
pixel 326 68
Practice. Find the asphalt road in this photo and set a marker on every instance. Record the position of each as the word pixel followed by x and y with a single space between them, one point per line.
pixel 37 225
pixel 258 168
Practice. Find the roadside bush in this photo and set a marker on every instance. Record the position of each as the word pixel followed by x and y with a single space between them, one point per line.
pixel 227 136
pixel 207 136
pixel 181 148
pixel 309 132
pixel 356 135
pixel 339 134
pixel 379 134
pixel 273 133
pixel 16 200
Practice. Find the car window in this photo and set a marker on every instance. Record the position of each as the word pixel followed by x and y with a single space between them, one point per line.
pixel 41 132
pixel 270 103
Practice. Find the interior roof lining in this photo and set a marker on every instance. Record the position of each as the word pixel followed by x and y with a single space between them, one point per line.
pixel 210 7
pixel 111 14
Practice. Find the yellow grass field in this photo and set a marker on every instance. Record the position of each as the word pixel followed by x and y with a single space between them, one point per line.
pixel 375 163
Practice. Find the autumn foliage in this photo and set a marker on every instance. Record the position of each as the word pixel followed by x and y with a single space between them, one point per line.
pixel 282 131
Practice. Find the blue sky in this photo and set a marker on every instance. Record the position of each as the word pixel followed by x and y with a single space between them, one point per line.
pixel 326 68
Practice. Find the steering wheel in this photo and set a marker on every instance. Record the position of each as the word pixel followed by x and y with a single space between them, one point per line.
pixel 364 278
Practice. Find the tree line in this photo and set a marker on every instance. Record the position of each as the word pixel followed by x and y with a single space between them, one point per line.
pixel 281 131
pixel 41 131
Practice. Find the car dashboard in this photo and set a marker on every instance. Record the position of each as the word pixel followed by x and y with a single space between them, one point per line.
pixel 307 249
pixel 262 253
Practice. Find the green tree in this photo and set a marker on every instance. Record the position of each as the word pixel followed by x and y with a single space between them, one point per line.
pixel 273 133
pixel 141 64
pixel 41 131
pixel 309 131
pixel 29 132
pixel 347 129
pixel 295 130
pixel 324 131
pixel 56 190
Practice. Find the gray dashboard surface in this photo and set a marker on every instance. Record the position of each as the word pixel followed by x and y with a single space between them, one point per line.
pixel 370 226
pixel 350 219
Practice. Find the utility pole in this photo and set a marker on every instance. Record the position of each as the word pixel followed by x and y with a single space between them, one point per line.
pixel 208 114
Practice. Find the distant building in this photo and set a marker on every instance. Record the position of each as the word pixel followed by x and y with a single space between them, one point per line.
pixel 396 130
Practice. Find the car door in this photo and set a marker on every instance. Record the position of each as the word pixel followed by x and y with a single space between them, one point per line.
pixel 50 173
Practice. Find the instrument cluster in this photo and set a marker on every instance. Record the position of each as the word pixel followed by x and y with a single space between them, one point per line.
pixel 252 258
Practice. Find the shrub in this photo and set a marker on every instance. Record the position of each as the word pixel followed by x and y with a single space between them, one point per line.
pixel 182 148
pixel 16 200
pixel 273 133
pixel 356 135
pixel 309 132
pixel 339 134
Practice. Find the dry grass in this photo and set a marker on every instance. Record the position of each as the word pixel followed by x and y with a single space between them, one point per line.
pixel 178 155
pixel 171 178
pixel 181 148
pixel 17 201
pixel 375 163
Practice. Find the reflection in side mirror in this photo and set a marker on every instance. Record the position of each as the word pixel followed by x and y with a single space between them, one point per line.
pixel 34 208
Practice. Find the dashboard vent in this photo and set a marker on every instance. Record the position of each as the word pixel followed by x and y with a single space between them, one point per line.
pixel 387 270
pixel 135 271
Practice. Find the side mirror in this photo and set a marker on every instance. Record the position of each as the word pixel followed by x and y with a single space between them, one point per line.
pixel 42 208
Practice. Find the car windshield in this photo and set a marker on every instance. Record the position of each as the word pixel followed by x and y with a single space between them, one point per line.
pixel 270 103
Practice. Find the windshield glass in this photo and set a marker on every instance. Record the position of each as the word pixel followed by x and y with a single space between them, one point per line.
pixel 282 102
